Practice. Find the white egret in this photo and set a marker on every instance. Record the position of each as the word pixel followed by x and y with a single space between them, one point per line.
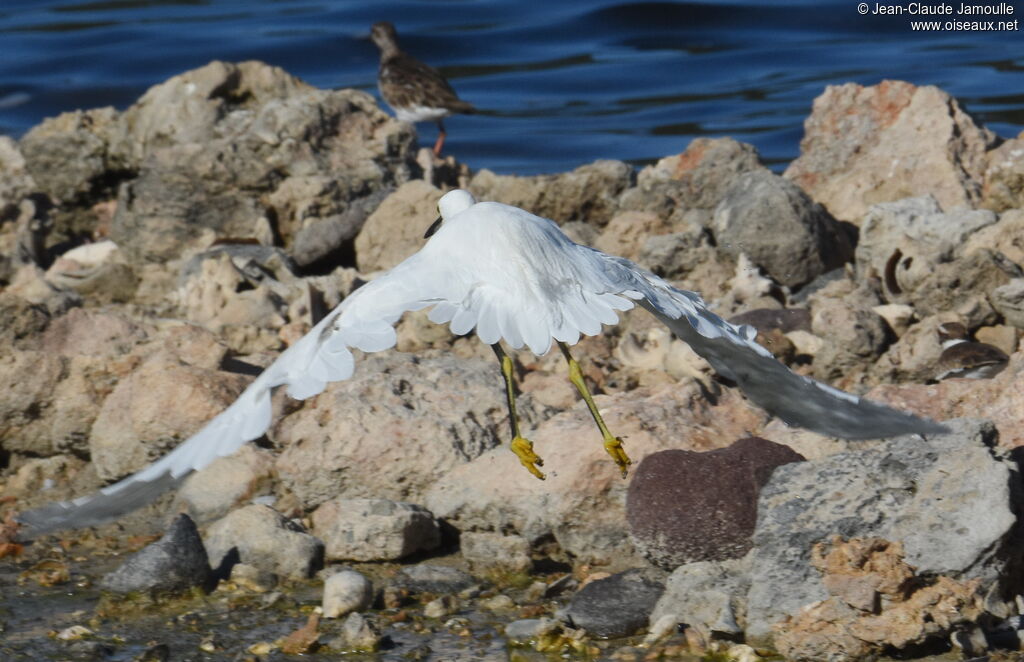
pixel 513 277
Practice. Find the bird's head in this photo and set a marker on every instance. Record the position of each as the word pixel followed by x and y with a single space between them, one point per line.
pixel 383 34
pixel 450 204
pixel 951 333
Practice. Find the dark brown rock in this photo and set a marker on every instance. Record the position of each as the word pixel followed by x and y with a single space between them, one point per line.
pixel 684 506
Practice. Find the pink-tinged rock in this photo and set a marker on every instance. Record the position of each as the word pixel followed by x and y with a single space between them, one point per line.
pixel 136 424
pixel 685 506
pixel 582 502
pixel 400 424
pixel 865 145
pixel 999 399
pixel 92 333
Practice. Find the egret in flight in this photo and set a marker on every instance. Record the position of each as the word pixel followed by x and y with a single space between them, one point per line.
pixel 511 276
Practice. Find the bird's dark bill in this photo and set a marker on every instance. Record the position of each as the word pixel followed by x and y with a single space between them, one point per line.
pixel 433 228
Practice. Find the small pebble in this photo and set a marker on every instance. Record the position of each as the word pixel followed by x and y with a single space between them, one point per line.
pixel 498 603
pixel 440 607
pixel 74 632
pixel 345 592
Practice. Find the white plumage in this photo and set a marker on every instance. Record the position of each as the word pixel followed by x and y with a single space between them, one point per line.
pixel 512 276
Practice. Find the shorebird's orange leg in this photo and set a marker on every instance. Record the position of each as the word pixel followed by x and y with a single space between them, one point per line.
pixel 440 138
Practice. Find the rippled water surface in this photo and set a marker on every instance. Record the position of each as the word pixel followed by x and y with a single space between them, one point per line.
pixel 559 83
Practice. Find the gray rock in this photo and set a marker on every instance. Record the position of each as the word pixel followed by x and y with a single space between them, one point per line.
pixel 321 239
pixel 707 594
pixel 227 482
pixel 1008 299
pixel 374 529
pixel 68 155
pixel 526 630
pixel 783 319
pixel 430 578
pixel 345 592
pixel 853 334
pixel 487 550
pixel 252 578
pixel 176 562
pixel 775 224
pixel 926 258
pixel 358 634
pixel 696 179
pixel 947 499
pixel 616 606
pixel 685 506
pixel 266 539
pixel 1004 177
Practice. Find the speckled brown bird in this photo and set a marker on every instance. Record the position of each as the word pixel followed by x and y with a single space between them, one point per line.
pixel 414 90
pixel 965 358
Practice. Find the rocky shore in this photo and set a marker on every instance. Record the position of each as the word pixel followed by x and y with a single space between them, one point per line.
pixel 153 260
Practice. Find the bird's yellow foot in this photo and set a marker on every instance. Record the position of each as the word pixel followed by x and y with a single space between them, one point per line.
pixel 523 448
pixel 614 447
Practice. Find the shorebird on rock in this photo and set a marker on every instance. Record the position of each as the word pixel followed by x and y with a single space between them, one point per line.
pixel 965 358
pixel 414 90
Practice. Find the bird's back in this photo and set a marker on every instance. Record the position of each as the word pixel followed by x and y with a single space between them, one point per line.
pixel 407 83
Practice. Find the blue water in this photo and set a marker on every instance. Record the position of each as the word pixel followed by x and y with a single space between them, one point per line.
pixel 559 83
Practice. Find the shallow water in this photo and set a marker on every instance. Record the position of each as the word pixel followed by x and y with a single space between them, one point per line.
pixel 559 84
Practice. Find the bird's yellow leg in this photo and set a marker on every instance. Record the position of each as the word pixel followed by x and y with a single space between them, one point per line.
pixel 612 444
pixel 522 447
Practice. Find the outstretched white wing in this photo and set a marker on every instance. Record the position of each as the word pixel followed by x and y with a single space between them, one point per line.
pixel 733 353
pixel 510 275
pixel 364 321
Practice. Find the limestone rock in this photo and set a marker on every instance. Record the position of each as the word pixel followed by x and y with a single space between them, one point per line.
pixel 708 594
pixel 176 562
pixel 1004 176
pixel 926 258
pixel 227 482
pixel 224 148
pixel 779 228
pixel 394 231
pixel 266 539
pixel 626 233
pixel 488 550
pixel 346 592
pixel 866 145
pixel 908 490
pixel 581 504
pixel 684 506
pixel 399 425
pixel 588 193
pixel 877 604
pixel 696 179
pixel 68 155
pixel 135 426
pixel 1008 299
pixel 854 337
pixel 374 529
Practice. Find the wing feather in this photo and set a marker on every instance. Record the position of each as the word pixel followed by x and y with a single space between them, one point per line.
pixel 733 353
pixel 363 321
